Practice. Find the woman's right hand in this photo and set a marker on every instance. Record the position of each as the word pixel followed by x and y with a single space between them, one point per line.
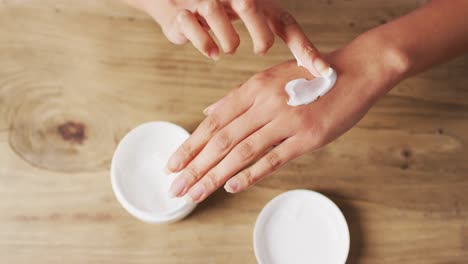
pixel 190 20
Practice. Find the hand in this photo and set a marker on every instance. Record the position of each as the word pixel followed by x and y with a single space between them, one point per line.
pixel 190 20
pixel 254 125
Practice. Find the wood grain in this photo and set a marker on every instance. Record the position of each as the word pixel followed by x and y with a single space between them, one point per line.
pixel 75 76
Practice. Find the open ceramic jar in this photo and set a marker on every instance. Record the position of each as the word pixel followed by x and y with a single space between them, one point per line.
pixel 138 176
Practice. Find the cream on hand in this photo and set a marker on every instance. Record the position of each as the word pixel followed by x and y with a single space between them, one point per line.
pixel 302 91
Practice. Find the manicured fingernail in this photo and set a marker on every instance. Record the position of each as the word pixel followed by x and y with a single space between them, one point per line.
pixel 214 53
pixel 177 187
pixel 187 199
pixel 167 171
pixel 173 164
pixel 232 186
pixel 259 51
pixel 196 192
pixel 321 66
pixel 209 109
pixel 206 111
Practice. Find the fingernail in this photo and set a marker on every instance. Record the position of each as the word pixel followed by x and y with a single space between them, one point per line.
pixel 321 66
pixel 232 186
pixel 177 187
pixel 173 164
pixel 196 192
pixel 209 109
pixel 259 51
pixel 206 111
pixel 167 171
pixel 213 106
pixel 214 53
pixel 187 199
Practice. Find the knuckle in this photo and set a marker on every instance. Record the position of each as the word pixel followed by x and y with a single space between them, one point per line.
pixel 209 7
pixel 260 78
pixel 273 161
pixel 249 179
pixel 286 19
pixel 234 92
pixel 186 150
pixel 246 150
pixel 211 123
pixel 245 5
pixel 222 141
pixel 191 173
pixel 183 16
pixel 315 136
pixel 212 179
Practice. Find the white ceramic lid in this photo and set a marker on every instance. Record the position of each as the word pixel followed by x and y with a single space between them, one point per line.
pixel 137 173
pixel 301 226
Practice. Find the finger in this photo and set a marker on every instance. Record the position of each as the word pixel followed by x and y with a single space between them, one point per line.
pixel 174 35
pixel 216 18
pixel 202 22
pixel 286 27
pixel 209 109
pixel 256 23
pixel 271 161
pixel 241 155
pixel 217 148
pixel 167 21
pixel 230 13
pixel 233 108
pixel 192 30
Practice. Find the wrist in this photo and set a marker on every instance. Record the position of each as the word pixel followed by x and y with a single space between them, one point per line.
pixel 375 58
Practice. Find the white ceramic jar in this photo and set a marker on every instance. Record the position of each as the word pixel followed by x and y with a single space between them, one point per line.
pixel 138 176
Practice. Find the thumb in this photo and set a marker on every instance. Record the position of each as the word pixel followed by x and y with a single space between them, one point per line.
pixel 211 108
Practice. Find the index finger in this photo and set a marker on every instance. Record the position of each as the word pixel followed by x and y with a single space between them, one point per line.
pixel 231 109
pixel 286 27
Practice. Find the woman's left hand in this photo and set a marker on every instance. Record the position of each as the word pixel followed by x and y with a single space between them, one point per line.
pixel 255 125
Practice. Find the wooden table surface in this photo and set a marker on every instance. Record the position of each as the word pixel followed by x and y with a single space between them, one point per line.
pixel 75 76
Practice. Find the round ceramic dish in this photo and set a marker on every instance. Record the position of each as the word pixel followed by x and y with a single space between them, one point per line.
pixel 301 226
pixel 137 173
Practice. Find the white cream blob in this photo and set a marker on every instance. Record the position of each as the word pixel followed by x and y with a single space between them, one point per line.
pixel 302 91
pixel 299 62
pixel 301 227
